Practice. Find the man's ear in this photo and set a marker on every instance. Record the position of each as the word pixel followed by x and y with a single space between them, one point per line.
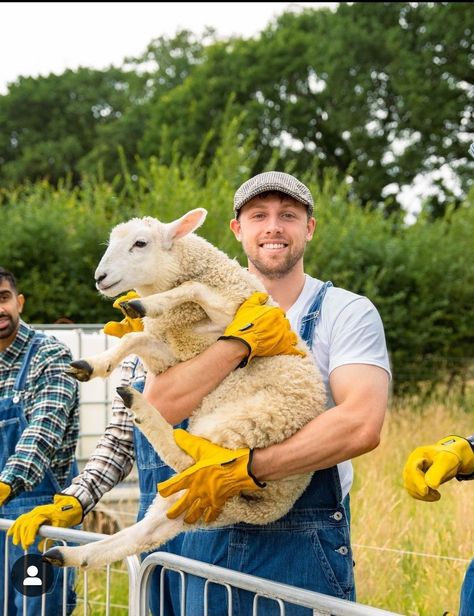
pixel 310 228
pixel 235 228
pixel 21 302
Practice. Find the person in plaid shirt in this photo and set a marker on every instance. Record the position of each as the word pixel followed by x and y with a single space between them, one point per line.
pixel 39 428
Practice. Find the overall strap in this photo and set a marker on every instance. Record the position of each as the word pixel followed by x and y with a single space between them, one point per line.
pixel 308 322
pixel 22 374
pixel 135 366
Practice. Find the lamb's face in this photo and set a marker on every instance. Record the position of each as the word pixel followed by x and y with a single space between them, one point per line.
pixel 133 258
pixel 140 255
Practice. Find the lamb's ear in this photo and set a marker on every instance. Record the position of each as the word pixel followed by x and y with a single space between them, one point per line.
pixel 184 225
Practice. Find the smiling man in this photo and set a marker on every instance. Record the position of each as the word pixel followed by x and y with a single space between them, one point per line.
pixel 39 425
pixel 310 546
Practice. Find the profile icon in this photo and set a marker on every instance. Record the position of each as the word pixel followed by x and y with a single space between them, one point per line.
pixel 31 576
pixel 32 579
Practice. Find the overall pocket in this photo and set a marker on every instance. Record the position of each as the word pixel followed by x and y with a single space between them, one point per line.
pixel 331 545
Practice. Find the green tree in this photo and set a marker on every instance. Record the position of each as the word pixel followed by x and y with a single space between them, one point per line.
pixel 50 123
pixel 378 91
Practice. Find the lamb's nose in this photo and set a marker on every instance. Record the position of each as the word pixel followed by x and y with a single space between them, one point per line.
pixel 101 278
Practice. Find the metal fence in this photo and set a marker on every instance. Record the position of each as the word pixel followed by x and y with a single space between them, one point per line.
pixel 281 594
pixel 139 580
pixel 64 536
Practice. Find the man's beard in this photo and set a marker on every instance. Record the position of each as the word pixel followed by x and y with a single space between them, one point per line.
pixel 8 331
pixel 280 270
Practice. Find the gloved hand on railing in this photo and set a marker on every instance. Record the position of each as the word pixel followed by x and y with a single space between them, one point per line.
pixel 66 511
pixel 263 329
pixel 217 475
pixel 5 491
pixel 429 466
pixel 127 325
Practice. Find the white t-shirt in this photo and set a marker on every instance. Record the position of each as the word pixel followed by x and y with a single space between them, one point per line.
pixel 349 331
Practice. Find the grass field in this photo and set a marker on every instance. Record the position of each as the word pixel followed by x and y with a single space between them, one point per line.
pixel 402 568
pixel 410 556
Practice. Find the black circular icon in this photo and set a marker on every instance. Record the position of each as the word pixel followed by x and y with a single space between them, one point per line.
pixel 31 576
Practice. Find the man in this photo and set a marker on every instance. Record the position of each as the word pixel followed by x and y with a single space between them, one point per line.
pixel 429 466
pixel 274 221
pixel 39 429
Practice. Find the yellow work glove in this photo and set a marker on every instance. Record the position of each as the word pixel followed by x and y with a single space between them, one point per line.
pixel 127 325
pixel 217 475
pixel 5 491
pixel 65 512
pixel 265 330
pixel 429 466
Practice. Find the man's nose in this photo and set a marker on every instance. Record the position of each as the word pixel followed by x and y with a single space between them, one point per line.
pixel 274 225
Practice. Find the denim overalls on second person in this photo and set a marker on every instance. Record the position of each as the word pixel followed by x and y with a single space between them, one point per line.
pixel 309 547
pixel 151 471
pixel 12 425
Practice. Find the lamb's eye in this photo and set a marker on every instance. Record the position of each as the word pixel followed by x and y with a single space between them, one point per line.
pixel 140 244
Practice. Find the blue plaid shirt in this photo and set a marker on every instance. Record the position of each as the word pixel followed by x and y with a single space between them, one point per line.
pixel 51 407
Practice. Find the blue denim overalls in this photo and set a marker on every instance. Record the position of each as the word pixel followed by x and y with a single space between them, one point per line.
pixel 309 547
pixel 151 471
pixel 12 424
pixel 467 592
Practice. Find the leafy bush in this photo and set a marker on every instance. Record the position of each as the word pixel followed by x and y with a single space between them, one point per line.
pixel 420 277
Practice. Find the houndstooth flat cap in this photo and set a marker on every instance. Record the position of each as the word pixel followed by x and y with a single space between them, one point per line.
pixel 273 180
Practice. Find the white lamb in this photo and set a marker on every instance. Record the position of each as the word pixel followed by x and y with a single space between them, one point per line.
pixel 190 292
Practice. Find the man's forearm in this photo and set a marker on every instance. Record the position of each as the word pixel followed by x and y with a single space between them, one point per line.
pixel 178 392
pixel 333 437
pixel 346 431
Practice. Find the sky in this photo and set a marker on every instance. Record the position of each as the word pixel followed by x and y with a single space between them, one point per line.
pixel 39 38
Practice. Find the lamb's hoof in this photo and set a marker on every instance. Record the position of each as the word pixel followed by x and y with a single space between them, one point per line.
pixel 127 396
pixel 133 308
pixel 80 370
pixel 54 557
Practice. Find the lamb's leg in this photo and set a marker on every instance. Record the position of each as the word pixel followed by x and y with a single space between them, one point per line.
pixel 156 429
pixel 155 354
pixel 219 309
pixel 148 534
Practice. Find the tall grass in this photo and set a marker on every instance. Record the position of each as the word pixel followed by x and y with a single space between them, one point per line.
pixel 399 543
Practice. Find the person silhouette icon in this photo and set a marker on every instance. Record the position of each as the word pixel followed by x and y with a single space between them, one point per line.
pixel 33 579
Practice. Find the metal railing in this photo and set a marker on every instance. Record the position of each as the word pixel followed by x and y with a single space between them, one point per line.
pixel 140 579
pixel 322 605
pixel 66 535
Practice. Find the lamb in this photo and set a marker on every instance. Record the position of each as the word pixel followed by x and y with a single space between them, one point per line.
pixel 189 292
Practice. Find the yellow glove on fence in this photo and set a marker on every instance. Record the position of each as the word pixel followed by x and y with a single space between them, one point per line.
pixel 127 325
pixel 5 491
pixel 263 329
pixel 429 466
pixel 65 512
pixel 217 475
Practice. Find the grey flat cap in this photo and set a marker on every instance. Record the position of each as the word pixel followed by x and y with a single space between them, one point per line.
pixel 273 180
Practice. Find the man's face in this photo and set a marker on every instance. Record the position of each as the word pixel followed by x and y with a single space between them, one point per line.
pixel 273 233
pixel 11 306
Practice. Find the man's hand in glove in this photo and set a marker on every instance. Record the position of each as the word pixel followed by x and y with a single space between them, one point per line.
pixel 263 329
pixel 5 491
pixel 217 475
pixel 429 466
pixel 127 325
pixel 65 512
